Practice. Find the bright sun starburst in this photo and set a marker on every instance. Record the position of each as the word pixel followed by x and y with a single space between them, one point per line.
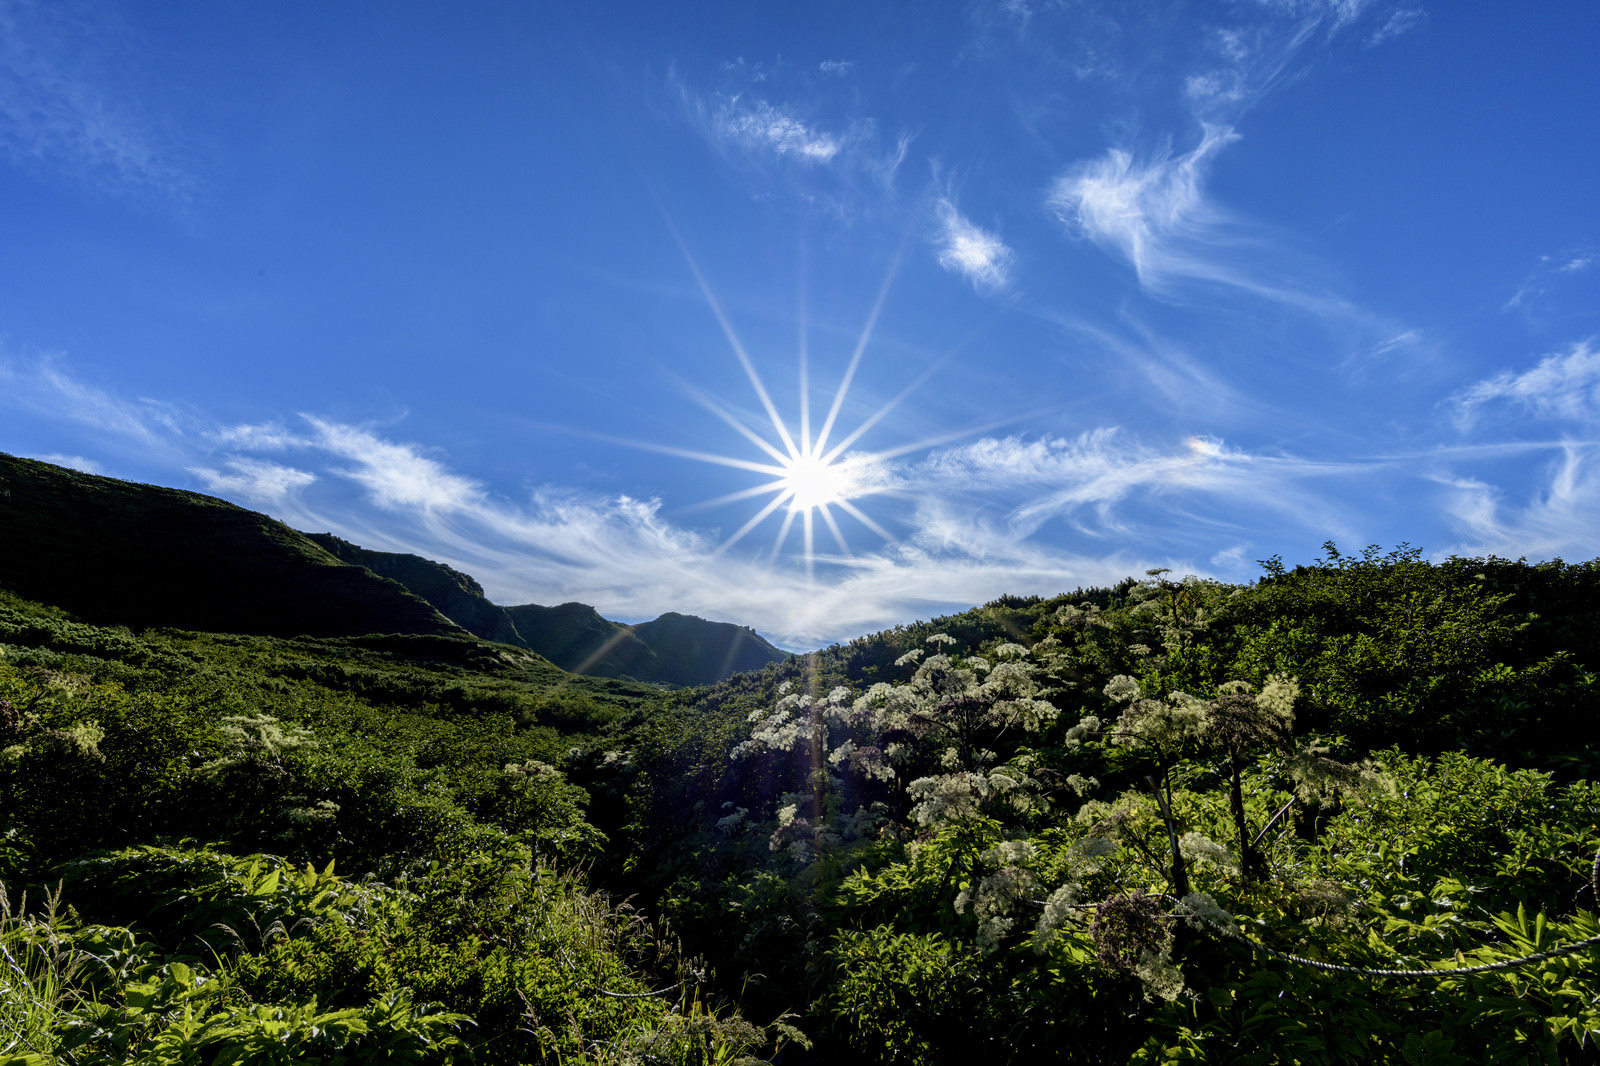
pixel 810 477
pixel 811 482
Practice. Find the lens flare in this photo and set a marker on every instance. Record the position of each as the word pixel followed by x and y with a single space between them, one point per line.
pixel 812 482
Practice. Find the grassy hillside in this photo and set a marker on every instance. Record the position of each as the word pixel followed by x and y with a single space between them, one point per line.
pixel 692 649
pixel 453 594
pixel 674 649
pixel 574 636
pixel 141 555
pixel 390 830
pixel 1343 814
pixel 1078 829
pixel 120 553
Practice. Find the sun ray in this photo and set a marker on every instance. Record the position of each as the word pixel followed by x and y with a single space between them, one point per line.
pixel 745 431
pixel 811 551
pixel 810 472
pixel 755 520
pixel 681 453
pixel 735 497
pixel 735 343
pixel 805 372
pixel 963 433
pixel 861 516
pixel 855 356
pixel 783 534
pixel 833 526
pixel 882 412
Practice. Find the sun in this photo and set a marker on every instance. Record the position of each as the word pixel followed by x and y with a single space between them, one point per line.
pixel 810 474
pixel 812 481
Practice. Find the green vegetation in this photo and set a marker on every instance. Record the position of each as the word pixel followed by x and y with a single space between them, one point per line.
pixel 674 649
pixel 1343 814
pixel 123 554
pixel 389 868
pixel 1323 818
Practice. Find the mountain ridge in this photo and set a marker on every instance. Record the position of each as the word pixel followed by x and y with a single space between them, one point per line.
pixel 673 649
pixel 122 553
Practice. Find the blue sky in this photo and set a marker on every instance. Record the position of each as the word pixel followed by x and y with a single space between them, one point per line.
pixel 1040 294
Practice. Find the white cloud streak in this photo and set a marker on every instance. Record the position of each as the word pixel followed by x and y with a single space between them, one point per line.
pixel 261 482
pixel 1150 208
pixel 788 145
pixel 1557 283
pixel 75 462
pixel 65 109
pixel 1399 22
pixel 972 521
pixel 968 538
pixel 971 251
pixel 1152 213
pixel 38 383
pixel 1560 519
pixel 1086 479
pixel 396 476
pixel 758 126
pixel 1562 387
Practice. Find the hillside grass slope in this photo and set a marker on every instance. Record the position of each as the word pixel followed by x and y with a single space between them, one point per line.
pixel 1345 813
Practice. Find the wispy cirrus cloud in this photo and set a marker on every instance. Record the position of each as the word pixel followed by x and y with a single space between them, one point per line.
pixel 967 536
pixel 1150 206
pixel 1088 479
pixel 268 436
pixel 1560 514
pixel 74 462
pixel 258 480
pixel 69 104
pixel 396 476
pixel 1561 285
pixel 1563 386
pixel 1400 21
pixel 41 383
pixel 1152 213
pixel 1267 45
pixel 969 520
pixel 971 251
pixel 758 126
pixel 1559 518
pixel 798 141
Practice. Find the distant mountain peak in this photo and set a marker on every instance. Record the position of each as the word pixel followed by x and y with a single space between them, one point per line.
pixel 115 552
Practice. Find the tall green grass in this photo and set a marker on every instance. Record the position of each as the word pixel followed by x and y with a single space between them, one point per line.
pixel 37 966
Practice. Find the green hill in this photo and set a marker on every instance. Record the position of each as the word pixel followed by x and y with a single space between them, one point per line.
pixel 575 637
pixel 114 552
pixel 675 649
pixel 692 650
pixel 1345 813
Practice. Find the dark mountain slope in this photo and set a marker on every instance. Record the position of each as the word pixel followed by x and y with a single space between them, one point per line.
pixel 575 637
pixel 674 649
pixel 453 594
pixel 114 552
pixel 693 649
pixel 117 553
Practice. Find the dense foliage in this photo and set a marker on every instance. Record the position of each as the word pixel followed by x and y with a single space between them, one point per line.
pixel 1129 824
pixel 1343 814
pixel 241 849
